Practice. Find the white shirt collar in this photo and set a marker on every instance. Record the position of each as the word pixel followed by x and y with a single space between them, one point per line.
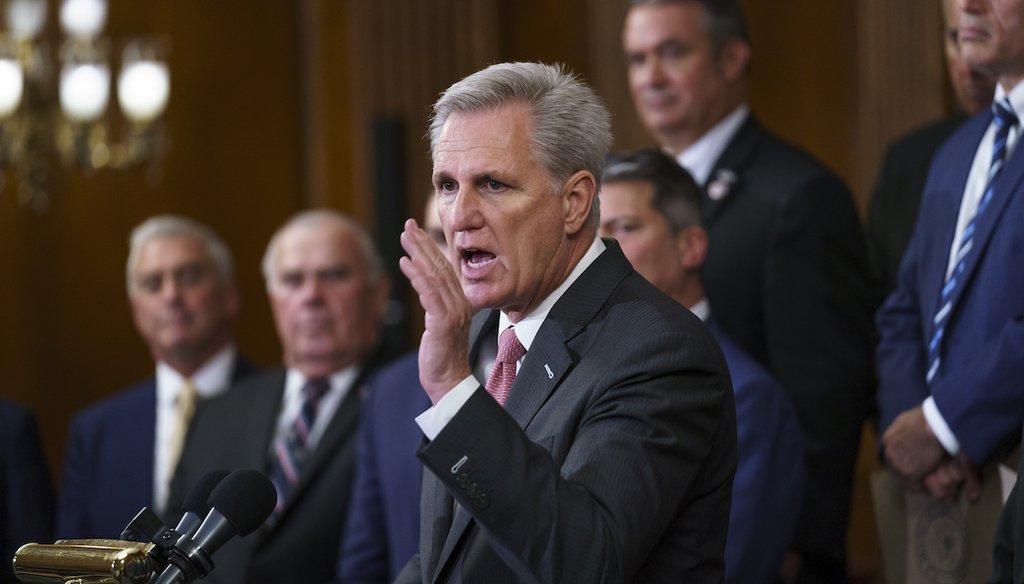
pixel 702 309
pixel 210 380
pixel 527 327
pixel 1016 96
pixel 700 158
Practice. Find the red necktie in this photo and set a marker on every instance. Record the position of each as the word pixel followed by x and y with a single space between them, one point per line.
pixel 510 351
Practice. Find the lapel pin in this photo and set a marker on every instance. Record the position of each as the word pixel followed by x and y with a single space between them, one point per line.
pixel 722 184
pixel 551 374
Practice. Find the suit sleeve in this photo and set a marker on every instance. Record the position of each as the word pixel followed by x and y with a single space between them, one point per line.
pixel 769 484
pixel 900 355
pixel 655 434
pixel 363 558
pixel 75 485
pixel 817 305
pixel 28 512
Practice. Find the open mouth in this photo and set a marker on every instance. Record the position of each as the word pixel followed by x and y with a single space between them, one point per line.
pixel 476 258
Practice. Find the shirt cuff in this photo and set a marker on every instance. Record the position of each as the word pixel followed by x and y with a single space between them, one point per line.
pixel 436 418
pixel 939 427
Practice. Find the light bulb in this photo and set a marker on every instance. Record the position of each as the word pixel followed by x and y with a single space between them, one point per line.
pixel 11 86
pixel 143 89
pixel 83 18
pixel 84 91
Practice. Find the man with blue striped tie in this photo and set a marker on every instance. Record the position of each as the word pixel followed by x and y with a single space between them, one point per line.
pixel 951 352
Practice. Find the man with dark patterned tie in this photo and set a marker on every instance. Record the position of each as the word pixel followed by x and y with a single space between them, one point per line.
pixel 297 423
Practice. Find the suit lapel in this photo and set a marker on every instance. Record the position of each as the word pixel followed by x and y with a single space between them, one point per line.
pixel 727 176
pixel 1006 189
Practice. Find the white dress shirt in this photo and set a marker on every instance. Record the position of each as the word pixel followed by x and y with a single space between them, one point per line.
pixel 702 155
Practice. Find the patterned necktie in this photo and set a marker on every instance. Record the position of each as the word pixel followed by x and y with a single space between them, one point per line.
pixel 1004 120
pixel 291 450
pixel 510 351
pixel 184 408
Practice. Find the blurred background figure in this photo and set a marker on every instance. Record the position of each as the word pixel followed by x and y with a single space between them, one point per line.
pixel 897 193
pixel 26 492
pixel 786 269
pixel 651 205
pixel 123 451
pixel 328 292
pixel 951 349
pixel 383 523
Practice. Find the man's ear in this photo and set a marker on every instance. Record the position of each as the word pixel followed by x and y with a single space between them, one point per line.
pixel 734 59
pixel 692 244
pixel 579 195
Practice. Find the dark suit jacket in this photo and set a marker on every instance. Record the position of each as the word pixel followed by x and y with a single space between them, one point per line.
pixel 786 275
pixel 1008 544
pixel 26 493
pixel 236 431
pixel 978 385
pixel 108 464
pixel 897 195
pixel 382 530
pixel 612 460
pixel 769 484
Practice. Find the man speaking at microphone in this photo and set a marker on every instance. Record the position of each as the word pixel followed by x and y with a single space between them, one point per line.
pixel 603 447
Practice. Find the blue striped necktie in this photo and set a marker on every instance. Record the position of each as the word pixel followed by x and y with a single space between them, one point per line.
pixel 1004 120
pixel 291 450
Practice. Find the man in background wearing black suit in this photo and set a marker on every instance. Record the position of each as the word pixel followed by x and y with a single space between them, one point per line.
pixel 122 451
pixel 897 193
pixel 328 292
pixel 26 493
pixel 786 267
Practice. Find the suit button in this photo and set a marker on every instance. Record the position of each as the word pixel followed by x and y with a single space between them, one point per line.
pixel 463 480
pixel 482 501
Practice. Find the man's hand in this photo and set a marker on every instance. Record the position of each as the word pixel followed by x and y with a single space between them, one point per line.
pixel 444 347
pixel 945 481
pixel 911 449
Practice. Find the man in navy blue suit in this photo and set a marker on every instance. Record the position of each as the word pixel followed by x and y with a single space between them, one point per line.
pixel 26 493
pixel 951 354
pixel 122 451
pixel 651 206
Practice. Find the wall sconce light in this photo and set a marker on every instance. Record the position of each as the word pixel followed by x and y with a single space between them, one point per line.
pixel 47 117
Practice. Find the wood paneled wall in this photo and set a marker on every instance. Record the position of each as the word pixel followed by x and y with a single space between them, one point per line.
pixel 272 109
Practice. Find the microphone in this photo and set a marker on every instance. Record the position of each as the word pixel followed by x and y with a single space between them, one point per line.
pixel 196 504
pixel 240 504
pixel 146 526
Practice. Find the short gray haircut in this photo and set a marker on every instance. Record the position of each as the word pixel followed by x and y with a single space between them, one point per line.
pixel 571 126
pixel 161 226
pixel 313 218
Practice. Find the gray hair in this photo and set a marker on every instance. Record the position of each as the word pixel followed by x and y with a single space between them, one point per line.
pixel 571 129
pixel 675 195
pixel 162 226
pixel 316 218
pixel 724 20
